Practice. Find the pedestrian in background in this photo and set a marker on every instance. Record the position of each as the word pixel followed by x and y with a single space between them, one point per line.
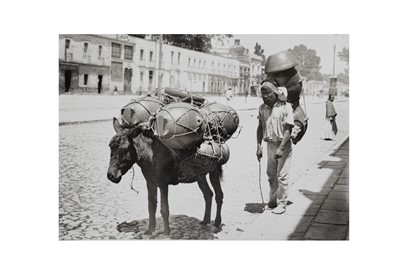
pixel 330 127
pixel 246 94
pixel 275 126
pixel 229 95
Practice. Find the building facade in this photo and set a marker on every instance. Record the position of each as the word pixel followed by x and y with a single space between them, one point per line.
pixel 84 63
pixel 133 65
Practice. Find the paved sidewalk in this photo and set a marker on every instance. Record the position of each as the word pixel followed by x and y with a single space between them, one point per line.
pixel 320 204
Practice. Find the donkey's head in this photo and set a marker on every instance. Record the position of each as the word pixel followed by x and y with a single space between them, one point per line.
pixel 123 152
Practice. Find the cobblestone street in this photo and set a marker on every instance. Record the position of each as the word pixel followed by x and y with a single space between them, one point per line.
pixel 92 207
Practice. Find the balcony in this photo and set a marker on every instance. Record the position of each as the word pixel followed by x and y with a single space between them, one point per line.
pixel 69 57
pixel 86 59
pixel 101 60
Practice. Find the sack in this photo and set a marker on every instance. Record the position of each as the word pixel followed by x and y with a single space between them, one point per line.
pixel 180 125
pixel 138 111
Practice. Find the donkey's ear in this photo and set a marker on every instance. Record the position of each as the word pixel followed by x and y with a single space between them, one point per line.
pixel 117 125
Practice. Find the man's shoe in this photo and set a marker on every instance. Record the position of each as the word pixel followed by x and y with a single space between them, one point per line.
pixel 271 205
pixel 279 210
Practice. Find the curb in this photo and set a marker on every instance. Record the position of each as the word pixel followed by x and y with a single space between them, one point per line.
pixel 103 120
pixel 338 145
pixel 82 122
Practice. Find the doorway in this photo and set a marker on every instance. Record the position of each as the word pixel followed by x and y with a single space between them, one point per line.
pixel 127 80
pixel 68 75
pixel 100 84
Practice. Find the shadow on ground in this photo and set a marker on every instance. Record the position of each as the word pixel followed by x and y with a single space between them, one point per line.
pixel 182 227
pixel 327 217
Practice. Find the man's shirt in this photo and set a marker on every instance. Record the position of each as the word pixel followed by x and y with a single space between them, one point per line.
pixel 273 121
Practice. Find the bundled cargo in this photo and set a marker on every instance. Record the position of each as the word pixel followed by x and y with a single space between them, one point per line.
pixel 208 155
pixel 180 125
pixel 170 95
pixel 211 152
pixel 222 120
pixel 138 111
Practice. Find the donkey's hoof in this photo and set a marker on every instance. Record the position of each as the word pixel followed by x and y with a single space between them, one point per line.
pixel 167 232
pixel 216 229
pixel 149 232
pixel 204 222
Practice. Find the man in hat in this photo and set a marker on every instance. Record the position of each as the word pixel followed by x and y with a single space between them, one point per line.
pixel 275 126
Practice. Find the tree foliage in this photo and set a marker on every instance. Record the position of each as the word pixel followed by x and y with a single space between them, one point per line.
pixel 308 62
pixel 197 42
pixel 344 55
pixel 259 51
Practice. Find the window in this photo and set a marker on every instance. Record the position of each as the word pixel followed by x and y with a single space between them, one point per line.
pixel 141 54
pixel 85 79
pixel 199 63
pixel 172 57
pixel 204 64
pixel 189 62
pixel 128 52
pixel 116 71
pixel 85 47
pixel 67 43
pixel 116 50
pixel 212 64
pixel 151 56
pixel 150 78
pixel 194 62
pixel 100 49
pixel 179 58
pixel 141 76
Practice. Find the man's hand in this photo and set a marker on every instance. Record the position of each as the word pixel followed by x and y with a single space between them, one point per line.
pixel 259 152
pixel 279 153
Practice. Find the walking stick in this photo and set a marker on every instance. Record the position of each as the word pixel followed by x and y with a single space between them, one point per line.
pixel 259 180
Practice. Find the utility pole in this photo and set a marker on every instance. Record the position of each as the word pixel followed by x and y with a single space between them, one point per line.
pixel 159 62
pixel 334 55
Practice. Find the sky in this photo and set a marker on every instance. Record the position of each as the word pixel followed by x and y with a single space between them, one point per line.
pixel 322 43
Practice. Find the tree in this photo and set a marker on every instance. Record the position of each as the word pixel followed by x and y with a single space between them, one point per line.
pixel 308 62
pixel 198 42
pixel 259 51
pixel 344 55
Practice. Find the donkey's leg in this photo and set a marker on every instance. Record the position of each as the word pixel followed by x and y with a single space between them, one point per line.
pixel 152 206
pixel 219 195
pixel 208 194
pixel 165 208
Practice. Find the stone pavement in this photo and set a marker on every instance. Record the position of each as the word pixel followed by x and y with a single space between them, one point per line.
pixel 319 208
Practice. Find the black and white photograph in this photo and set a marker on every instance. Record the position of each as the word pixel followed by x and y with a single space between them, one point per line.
pixel 193 133
pixel 204 137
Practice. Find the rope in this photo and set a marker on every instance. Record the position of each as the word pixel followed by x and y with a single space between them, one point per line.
pixel 131 184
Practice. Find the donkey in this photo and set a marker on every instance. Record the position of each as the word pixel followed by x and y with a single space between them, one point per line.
pixel 160 167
